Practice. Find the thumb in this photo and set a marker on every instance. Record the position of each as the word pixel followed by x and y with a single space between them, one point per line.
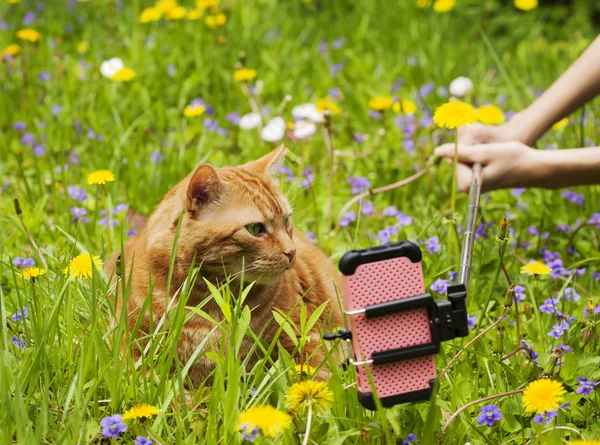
pixel 467 154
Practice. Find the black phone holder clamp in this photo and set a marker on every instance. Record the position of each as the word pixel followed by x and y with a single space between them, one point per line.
pixel 447 318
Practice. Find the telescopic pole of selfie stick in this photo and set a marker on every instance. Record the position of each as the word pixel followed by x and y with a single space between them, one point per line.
pixel 469 234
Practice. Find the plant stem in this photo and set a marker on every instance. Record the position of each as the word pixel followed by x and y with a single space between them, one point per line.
pixel 329 144
pixel 308 424
pixel 496 277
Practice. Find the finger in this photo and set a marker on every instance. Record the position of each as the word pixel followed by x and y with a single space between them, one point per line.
pixel 471 134
pixel 467 154
pixel 464 176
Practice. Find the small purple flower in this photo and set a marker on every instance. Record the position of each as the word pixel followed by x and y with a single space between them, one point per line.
pixel 440 286
pixel 233 118
pixel 156 156
pixel 390 211
pixel 409 146
pixel 103 222
pixel 360 138
pixel 322 47
pixel 403 220
pixel 534 355
pixel 396 85
pixel 25 263
pixel 559 329
pixel 28 139
pixel 249 435
pixel 564 348
pixel 549 305
pixel 348 218
pixel 545 418
pixel 335 69
pixel 586 386
pixel 91 134
pixel 171 69
pixel 452 276
pixel 131 232
pixel 338 43
pixel 141 440
pixel 20 126
pixel 489 415
pixel 222 131
pixel 359 184
pixel 55 109
pixel 433 244
pixel 374 114
pixel 210 124
pixel 367 208
pixel 335 93
pixel 309 177
pixel 20 343
pixel 44 76
pixel 412 61
pixel 20 315
pixel 481 231
pixel 74 158
pixel 120 208
pixel 520 293
pixel 533 231
pixel 571 294
pixel 287 172
pixel 311 237
pixel 471 321
pixel 39 150
pixel 517 192
pixel 28 18
pixel 574 197
pixel 595 219
pixel 79 214
pixel 76 193
pixel 426 89
pixel 426 121
pixel 113 426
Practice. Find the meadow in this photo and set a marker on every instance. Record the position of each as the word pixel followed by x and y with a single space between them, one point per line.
pixel 187 78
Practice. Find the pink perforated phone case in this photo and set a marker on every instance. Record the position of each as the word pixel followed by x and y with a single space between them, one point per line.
pixel 380 282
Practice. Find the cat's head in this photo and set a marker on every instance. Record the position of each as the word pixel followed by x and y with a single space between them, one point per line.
pixel 236 218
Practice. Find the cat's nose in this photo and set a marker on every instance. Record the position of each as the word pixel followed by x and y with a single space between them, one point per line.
pixel 290 254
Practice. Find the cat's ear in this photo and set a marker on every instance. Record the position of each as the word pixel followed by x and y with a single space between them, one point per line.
pixel 204 187
pixel 270 163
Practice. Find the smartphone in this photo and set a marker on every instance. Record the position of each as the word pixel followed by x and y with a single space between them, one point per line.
pixel 390 316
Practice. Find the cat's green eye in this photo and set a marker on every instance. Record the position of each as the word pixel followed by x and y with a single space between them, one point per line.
pixel 256 229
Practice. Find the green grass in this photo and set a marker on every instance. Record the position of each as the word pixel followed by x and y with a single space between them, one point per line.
pixel 58 388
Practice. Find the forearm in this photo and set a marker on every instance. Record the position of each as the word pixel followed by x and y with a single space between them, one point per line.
pixel 578 84
pixel 555 169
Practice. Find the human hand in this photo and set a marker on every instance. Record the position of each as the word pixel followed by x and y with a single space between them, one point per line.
pixel 504 164
pixel 513 130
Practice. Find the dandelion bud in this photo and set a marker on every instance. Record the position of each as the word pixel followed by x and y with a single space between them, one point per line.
pixel 527 308
pixel 590 308
pixel 503 234
pixel 499 341
pixel 510 295
pixel 18 210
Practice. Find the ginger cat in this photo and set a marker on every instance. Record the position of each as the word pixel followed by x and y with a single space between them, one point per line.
pixel 234 218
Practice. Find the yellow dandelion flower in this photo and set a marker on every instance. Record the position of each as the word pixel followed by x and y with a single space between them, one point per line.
pixel 301 396
pixel 166 5
pixel 444 5
pixel 490 114
pixel 561 124
pixel 14 2
pixel 100 177
pixel 454 115
pixel 142 411
pixel 270 421
pixel 11 50
pixel 205 4
pixel 526 5
pixel 123 75
pixel 151 14
pixel 28 34
pixel 33 272
pixel 195 14
pixel 216 20
pixel 194 110
pixel 244 74
pixel 177 13
pixel 327 104
pixel 537 268
pixel 424 3
pixel 381 103
pixel 82 47
pixel 406 106
pixel 543 395
pixel 303 369
pixel 81 266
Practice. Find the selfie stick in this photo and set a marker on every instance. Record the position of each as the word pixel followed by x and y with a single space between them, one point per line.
pixel 469 234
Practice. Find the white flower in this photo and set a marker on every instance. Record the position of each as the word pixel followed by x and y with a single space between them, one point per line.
pixel 461 86
pixel 304 129
pixel 307 111
pixel 109 68
pixel 274 130
pixel 250 121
